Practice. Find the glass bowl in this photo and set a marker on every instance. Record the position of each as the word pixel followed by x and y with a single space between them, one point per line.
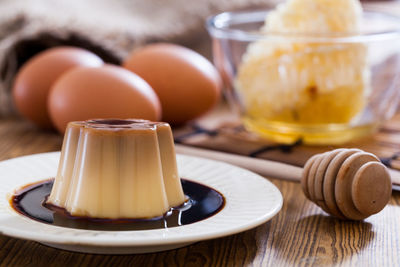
pixel 322 89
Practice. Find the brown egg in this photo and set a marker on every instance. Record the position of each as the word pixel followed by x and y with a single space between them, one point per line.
pixel 103 92
pixel 33 81
pixel 187 84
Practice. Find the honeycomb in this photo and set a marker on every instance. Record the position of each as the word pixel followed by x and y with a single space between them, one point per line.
pixel 304 82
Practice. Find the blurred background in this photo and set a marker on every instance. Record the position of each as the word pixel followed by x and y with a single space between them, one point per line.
pixel 109 28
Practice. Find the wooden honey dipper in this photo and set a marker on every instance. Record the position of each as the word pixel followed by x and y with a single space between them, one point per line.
pixel 346 183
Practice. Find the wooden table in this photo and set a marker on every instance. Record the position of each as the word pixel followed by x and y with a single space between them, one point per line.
pixel 301 234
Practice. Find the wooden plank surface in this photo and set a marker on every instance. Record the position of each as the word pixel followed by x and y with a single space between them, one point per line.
pixel 220 130
pixel 301 234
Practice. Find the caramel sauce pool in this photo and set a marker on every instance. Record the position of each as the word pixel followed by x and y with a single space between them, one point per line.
pixel 203 203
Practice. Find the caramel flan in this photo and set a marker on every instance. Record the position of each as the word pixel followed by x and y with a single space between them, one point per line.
pixel 111 168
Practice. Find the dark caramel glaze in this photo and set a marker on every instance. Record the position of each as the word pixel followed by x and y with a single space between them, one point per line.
pixel 113 122
pixel 203 203
pixel 120 123
pixel 118 126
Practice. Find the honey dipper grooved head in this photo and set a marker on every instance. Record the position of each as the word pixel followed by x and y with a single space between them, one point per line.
pixel 347 183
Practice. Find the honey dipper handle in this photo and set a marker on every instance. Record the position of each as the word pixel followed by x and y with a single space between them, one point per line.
pixel 394 176
pixel 268 168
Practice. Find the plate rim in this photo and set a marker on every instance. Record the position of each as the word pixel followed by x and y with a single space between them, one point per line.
pixel 99 240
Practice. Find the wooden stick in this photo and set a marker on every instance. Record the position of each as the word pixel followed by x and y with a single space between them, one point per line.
pixel 264 167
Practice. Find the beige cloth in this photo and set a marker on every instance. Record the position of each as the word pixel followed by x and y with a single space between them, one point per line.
pixel 111 28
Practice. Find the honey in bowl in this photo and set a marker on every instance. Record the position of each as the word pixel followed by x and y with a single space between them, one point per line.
pixel 309 70
pixel 300 83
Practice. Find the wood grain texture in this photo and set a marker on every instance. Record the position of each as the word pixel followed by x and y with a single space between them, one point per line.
pixel 218 133
pixel 300 235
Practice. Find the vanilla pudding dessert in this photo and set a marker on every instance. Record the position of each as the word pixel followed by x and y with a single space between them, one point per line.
pixel 117 169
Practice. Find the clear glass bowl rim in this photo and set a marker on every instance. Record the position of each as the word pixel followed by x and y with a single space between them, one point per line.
pixel 219 27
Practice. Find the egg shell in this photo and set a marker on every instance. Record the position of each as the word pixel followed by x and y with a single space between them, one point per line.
pixel 101 92
pixel 187 84
pixel 34 79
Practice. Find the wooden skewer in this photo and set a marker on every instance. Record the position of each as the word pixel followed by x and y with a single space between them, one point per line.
pixel 264 167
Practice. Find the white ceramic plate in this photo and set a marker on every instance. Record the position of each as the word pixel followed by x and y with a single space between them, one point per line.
pixel 250 201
